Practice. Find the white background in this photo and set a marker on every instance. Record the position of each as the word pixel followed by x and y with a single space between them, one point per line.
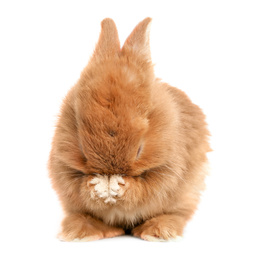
pixel 209 49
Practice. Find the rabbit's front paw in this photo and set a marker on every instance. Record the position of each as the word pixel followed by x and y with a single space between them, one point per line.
pixel 161 228
pixel 108 188
pixel 83 228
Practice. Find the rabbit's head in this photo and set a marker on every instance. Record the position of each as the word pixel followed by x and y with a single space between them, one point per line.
pixel 113 103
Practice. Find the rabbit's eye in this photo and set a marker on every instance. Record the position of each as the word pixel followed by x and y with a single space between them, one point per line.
pixel 139 151
pixel 93 174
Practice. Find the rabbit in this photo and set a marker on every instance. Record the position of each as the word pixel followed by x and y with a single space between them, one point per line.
pixel 129 152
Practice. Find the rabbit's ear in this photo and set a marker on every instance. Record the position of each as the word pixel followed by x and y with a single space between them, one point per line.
pixel 139 40
pixel 108 42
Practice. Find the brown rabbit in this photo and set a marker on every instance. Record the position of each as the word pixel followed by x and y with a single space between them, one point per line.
pixel 129 151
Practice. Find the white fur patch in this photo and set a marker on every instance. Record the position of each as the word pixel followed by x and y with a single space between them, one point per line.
pixel 158 239
pixel 86 239
pixel 153 239
pixel 107 187
pixel 68 238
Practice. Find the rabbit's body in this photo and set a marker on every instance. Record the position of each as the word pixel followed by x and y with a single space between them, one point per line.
pixel 129 152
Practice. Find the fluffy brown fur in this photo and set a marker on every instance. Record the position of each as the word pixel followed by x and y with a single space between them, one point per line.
pixel 119 120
